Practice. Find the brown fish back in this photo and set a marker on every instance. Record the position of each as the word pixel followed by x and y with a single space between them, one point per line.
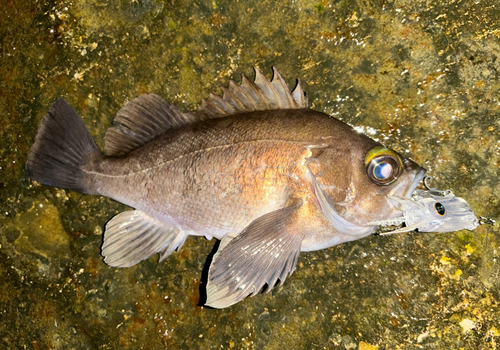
pixel 149 116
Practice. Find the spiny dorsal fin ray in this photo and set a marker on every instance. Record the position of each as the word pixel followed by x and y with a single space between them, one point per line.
pixel 241 96
pixel 259 95
pixel 284 97
pixel 299 96
pixel 142 120
pixel 268 90
pixel 254 93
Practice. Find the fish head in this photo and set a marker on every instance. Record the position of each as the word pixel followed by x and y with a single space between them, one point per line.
pixel 359 179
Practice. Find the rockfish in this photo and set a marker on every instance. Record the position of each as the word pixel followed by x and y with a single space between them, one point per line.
pixel 256 169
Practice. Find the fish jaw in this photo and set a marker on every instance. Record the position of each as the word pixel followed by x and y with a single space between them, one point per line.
pixel 404 192
pixel 400 191
pixel 416 180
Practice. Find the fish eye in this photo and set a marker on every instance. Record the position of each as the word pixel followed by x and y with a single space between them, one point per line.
pixel 383 166
pixel 439 208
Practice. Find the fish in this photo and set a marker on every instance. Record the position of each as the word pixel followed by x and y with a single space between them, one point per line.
pixel 256 169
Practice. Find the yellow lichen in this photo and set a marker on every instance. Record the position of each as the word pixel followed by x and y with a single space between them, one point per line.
pixel 445 260
pixel 367 346
pixel 493 332
pixel 457 274
pixel 470 249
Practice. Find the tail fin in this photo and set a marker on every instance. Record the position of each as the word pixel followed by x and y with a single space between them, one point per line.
pixel 62 146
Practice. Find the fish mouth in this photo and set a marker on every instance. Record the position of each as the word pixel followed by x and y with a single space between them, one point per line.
pixel 397 217
pixel 416 180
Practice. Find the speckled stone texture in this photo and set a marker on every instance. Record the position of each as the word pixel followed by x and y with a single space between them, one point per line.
pixel 420 76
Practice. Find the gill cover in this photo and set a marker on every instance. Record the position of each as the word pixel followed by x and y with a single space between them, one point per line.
pixel 340 224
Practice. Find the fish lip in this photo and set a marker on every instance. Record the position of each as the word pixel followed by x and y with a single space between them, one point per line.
pixel 416 180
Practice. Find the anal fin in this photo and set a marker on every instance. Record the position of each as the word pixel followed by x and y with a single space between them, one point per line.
pixel 133 236
pixel 262 253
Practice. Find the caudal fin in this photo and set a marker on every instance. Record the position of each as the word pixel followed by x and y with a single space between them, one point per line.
pixel 62 146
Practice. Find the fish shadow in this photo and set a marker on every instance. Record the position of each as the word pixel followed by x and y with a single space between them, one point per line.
pixel 204 276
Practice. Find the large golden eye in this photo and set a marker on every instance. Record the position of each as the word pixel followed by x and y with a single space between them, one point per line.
pixel 383 165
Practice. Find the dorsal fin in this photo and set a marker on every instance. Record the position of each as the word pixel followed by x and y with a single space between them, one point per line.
pixel 149 116
pixel 142 120
pixel 259 95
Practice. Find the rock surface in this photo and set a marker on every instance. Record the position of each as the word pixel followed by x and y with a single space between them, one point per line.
pixel 423 77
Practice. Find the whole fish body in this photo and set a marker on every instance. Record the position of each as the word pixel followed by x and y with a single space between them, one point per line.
pixel 256 169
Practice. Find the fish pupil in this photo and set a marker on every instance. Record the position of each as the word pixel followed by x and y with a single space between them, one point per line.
pixel 439 208
pixel 382 171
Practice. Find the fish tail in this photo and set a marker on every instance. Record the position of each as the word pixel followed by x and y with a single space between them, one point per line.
pixel 62 147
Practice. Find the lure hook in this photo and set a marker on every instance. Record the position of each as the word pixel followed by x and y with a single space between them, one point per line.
pixel 434 190
pixel 483 221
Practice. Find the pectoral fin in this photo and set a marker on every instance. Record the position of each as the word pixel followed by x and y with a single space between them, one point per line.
pixel 262 253
pixel 133 236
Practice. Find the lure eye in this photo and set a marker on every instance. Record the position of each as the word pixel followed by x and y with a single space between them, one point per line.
pixel 383 166
pixel 439 208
